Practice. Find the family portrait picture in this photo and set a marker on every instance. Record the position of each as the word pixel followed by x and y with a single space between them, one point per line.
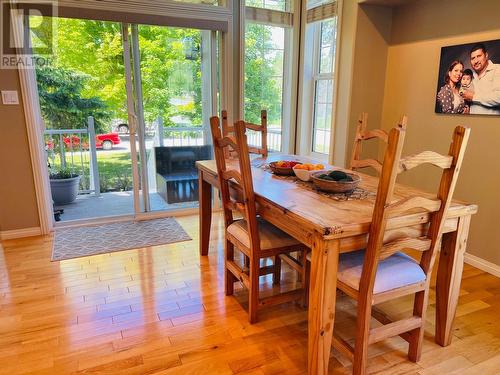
pixel 469 79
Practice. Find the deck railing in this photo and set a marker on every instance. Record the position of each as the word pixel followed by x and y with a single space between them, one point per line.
pixel 273 139
pixel 75 150
pixel 181 136
pixel 197 136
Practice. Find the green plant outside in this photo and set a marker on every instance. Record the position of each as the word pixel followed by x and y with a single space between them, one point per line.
pixel 115 170
pixel 63 174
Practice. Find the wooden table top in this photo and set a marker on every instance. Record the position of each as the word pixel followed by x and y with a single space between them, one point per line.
pixel 333 218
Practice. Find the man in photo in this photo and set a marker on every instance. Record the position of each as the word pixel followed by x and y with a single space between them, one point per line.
pixel 485 99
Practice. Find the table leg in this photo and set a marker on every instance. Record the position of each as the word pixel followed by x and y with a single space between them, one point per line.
pixel 449 277
pixel 205 212
pixel 323 283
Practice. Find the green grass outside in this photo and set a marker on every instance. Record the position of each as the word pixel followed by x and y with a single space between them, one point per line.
pixel 115 169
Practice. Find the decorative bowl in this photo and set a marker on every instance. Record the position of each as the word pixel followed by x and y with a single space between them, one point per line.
pixel 285 171
pixel 304 174
pixel 335 186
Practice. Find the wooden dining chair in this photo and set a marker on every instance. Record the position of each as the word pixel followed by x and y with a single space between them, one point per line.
pixel 363 134
pixel 262 129
pixel 251 235
pixel 383 272
pixel 297 260
pixel 228 130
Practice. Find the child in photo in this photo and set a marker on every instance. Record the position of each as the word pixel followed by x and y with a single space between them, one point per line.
pixel 466 84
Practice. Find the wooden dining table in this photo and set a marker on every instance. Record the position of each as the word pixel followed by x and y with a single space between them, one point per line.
pixel 333 224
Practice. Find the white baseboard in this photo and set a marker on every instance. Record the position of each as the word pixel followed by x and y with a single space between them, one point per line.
pixel 482 264
pixel 20 233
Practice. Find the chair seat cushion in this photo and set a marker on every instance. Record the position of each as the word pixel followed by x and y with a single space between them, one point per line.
pixel 394 272
pixel 271 237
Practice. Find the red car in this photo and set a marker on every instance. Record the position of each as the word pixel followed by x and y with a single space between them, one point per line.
pixel 107 141
pixel 104 141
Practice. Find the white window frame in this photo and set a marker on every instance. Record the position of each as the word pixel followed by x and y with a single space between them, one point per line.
pixel 309 67
pixel 316 78
pixel 35 127
pixel 286 20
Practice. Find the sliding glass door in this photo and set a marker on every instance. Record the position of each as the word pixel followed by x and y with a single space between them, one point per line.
pixel 82 98
pixel 127 108
pixel 170 96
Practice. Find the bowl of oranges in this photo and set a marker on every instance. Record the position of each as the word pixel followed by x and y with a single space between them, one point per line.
pixel 304 171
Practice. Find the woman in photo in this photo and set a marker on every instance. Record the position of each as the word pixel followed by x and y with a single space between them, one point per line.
pixel 448 97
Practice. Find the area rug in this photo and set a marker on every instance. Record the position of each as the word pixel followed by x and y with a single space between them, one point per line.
pixel 106 238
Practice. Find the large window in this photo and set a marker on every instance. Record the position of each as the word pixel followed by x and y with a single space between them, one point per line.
pixel 267 59
pixel 323 86
pixel 264 52
pixel 317 79
pixel 273 79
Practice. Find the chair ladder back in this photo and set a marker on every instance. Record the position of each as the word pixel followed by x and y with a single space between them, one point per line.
pixel 385 191
pixel 224 145
pixel 357 147
pixel 362 134
pixel 262 128
pixel 445 193
pixel 412 243
pixel 447 186
pixel 247 187
pixel 426 157
pixel 226 131
pixel 409 203
pixel 437 207
pixel 220 159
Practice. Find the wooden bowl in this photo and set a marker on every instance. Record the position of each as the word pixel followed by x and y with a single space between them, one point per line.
pixel 335 186
pixel 281 170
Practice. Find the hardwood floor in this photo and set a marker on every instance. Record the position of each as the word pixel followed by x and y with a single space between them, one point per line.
pixel 162 310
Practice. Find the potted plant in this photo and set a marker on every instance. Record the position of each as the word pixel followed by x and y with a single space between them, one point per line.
pixel 64 186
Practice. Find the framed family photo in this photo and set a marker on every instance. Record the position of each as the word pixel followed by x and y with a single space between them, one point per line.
pixel 469 79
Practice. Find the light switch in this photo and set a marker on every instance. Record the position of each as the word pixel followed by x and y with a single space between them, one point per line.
pixel 10 97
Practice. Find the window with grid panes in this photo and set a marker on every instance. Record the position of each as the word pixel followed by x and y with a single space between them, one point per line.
pixel 323 86
pixel 265 47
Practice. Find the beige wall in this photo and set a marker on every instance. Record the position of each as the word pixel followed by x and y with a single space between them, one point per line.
pixel 18 207
pixel 363 46
pixel 373 33
pixel 419 31
pixel 347 38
